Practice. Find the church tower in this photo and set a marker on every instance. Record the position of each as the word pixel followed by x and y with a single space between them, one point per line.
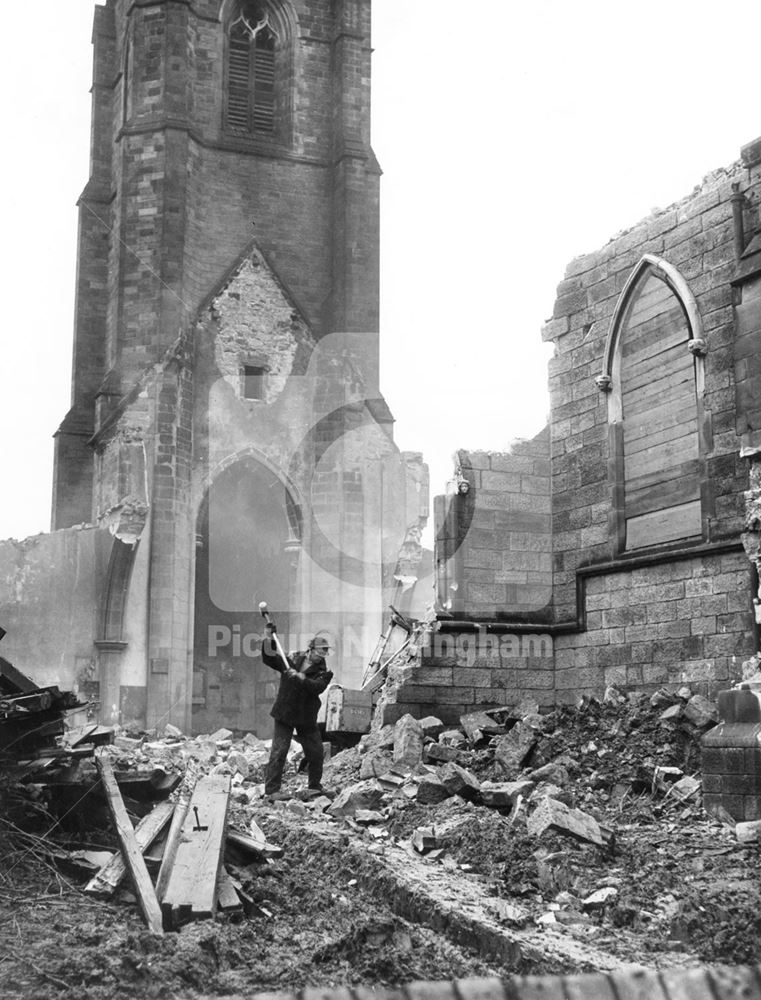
pixel 226 425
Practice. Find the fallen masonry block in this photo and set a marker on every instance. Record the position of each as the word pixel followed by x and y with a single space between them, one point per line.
pixel 526 706
pixel 554 815
pixel 499 794
pixel 509 913
pixel 391 780
pixel 375 763
pixel 408 742
pixel 515 748
pixel 191 892
pixel 478 726
pixel 672 714
pixel 424 839
pixel 363 795
pixel 554 772
pixel 452 737
pixel 748 832
pixel 601 898
pixel 663 698
pixel 546 790
pixel 460 782
pixel 432 726
pixel 221 736
pixel 440 753
pixel 701 712
pixel 613 696
pixel 367 816
pixel 432 790
pixel 685 788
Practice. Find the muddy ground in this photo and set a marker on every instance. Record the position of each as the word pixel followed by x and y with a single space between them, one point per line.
pixel 686 891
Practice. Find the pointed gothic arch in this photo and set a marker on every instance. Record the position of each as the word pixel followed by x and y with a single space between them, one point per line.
pixel 659 431
pixel 248 545
pixel 258 73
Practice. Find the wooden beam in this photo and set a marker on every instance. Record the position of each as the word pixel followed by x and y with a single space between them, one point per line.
pixel 228 899
pixel 105 883
pixel 192 890
pixel 253 845
pixel 174 834
pixel 133 856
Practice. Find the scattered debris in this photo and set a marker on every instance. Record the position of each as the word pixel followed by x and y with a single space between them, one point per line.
pixel 601 818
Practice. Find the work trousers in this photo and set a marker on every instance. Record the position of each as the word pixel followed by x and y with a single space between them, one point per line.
pixel 310 739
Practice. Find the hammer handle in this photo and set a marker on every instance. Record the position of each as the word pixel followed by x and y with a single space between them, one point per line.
pixel 268 618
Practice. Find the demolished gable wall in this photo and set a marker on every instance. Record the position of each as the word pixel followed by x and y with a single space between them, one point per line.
pixel 681 613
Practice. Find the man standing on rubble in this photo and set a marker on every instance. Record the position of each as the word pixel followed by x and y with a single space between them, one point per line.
pixel 296 707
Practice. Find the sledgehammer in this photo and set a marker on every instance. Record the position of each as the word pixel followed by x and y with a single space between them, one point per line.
pixel 268 618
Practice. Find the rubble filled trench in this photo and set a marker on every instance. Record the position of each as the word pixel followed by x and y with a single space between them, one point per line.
pixel 516 843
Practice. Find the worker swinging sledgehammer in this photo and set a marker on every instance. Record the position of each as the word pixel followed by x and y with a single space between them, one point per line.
pixel 303 678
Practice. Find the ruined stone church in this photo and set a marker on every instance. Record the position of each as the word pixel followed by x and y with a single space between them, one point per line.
pixel 227 442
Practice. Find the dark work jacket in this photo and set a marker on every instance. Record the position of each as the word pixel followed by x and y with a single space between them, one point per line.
pixel 297 702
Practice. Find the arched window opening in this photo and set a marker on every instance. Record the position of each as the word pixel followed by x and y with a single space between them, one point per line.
pixel 252 43
pixel 654 371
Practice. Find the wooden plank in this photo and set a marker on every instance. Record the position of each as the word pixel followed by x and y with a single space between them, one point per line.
pixel 678 389
pixel 192 890
pixel 228 899
pixel 687 428
pixel 651 293
pixel 662 457
pixel 141 880
pixel 681 471
pixel 105 883
pixel 687 433
pixel 667 373
pixel 259 848
pixel 664 526
pixel 654 337
pixel 664 370
pixel 12 679
pixel 657 312
pixel 174 834
pixel 661 496
pixel 659 419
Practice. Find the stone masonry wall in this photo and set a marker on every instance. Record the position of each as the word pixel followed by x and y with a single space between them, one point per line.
pixel 456 671
pixel 670 619
pixel 681 622
pixel 494 542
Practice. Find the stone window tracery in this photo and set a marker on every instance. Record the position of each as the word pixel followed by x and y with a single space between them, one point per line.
pixel 252 47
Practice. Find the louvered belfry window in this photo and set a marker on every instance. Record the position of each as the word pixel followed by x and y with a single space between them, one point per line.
pixel 251 72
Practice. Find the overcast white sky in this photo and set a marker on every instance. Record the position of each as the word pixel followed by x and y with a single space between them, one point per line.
pixel 513 137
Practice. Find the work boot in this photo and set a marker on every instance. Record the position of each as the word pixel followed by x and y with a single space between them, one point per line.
pixel 314 791
pixel 278 797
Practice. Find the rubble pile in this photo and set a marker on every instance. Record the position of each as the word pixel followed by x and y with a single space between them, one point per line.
pixel 585 821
